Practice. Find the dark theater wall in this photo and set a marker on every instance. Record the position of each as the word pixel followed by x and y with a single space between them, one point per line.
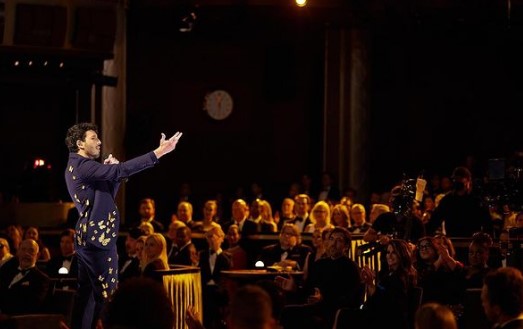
pixel 273 71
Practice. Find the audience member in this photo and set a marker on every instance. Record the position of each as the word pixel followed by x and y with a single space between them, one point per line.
pixel 146 227
pixel 288 252
pixel 23 288
pixel 359 223
pixel 251 308
pixel 170 238
pixel 5 252
pixel 388 302
pixel 184 213
pixel 239 257
pixel 240 212
pixel 214 293
pixel 186 253
pixel 439 274
pixel 252 224
pixel 287 213
pixel 65 264
pixel 434 316
pixel 502 298
pixel 320 217
pixel 155 255
pixel 147 212
pixel 340 216
pixel 139 303
pixel 332 284
pixel 302 203
pixel 478 260
pixel 210 209
pixel 319 250
pixel 377 209
pixel 130 263
pixel 32 233
pixel 14 236
pixel 267 223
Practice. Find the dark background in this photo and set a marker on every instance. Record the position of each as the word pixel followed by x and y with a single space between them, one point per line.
pixel 445 84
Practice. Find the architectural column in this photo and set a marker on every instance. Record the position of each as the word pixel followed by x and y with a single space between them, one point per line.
pixel 347 108
pixel 113 117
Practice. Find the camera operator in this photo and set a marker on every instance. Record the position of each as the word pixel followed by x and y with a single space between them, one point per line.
pixel 400 223
pixel 460 211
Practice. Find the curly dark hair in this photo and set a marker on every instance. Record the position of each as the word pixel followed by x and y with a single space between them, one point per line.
pixel 482 238
pixel 77 133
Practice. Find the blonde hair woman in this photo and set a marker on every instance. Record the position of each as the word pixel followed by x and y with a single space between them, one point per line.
pixel 155 255
pixel 267 223
pixel 320 217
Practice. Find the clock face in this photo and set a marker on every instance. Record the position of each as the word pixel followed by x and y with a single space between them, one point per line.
pixel 218 104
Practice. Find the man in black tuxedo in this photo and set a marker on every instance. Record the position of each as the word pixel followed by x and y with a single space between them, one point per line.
pixel 212 262
pixel 302 206
pixel 130 264
pixel 186 253
pixel 23 288
pixel 289 251
pixel 64 265
pixel 502 298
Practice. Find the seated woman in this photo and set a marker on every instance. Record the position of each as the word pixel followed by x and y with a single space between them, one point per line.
pixel 210 209
pixel 267 222
pixel 440 275
pixel 155 255
pixel 340 216
pixel 388 303
pixel 477 269
pixel 319 250
pixel 33 233
pixel 320 216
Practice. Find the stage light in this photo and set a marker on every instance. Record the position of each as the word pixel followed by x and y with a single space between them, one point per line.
pixel 38 163
pixel 301 3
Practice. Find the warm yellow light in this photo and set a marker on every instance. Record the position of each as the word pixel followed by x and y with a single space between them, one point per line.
pixel 301 3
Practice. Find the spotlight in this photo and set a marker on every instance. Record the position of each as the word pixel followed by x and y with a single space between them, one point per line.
pixel 301 3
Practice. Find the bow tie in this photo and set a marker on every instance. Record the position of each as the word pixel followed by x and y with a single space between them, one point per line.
pixel 23 272
pixel 68 258
pixel 285 250
pixel 299 219
pixel 212 252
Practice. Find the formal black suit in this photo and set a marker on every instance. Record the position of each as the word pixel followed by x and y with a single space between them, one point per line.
pixel 130 268
pixel 24 296
pixel 272 254
pixel 214 293
pixel 250 227
pixel 306 221
pixel 55 263
pixel 183 256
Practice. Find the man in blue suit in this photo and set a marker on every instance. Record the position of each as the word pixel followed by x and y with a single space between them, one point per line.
pixel 93 186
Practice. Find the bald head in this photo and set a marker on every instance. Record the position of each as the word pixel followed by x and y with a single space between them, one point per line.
pixel 27 253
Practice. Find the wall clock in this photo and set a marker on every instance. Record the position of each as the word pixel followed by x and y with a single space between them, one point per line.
pixel 218 104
